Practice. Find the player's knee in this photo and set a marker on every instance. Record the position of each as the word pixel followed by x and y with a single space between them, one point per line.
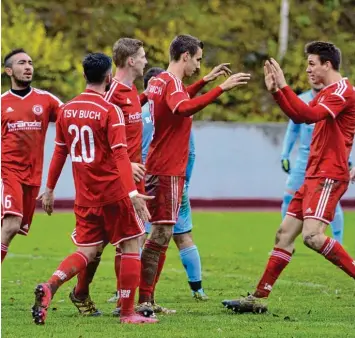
pixel 90 252
pixel 282 236
pixel 130 245
pixel 183 241
pixel 309 239
pixel 161 234
pixel 10 226
pixel 313 233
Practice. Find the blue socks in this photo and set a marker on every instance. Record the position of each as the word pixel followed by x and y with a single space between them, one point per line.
pixel 338 224
pixel 285 203
pixel 191 261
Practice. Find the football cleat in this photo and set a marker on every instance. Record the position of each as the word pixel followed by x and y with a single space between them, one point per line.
pixel 138 319
pixel 85 307
pixel 160 309
pixel 246 304
pixel 114 298
pixel 43 297
pixel 144 309
pixel 200 295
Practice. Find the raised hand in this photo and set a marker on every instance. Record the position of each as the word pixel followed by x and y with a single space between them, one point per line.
pixel 217 71
pixel 278 73
pixel 235 80
pixel 270 80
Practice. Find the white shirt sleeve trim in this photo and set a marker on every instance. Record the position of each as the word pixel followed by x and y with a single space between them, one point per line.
pixel 327 108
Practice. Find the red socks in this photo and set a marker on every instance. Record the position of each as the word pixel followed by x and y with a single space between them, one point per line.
pixel 85 278
pixel 277 262
pixel 129 281
pixel 118 265
pixel 335 253
pixel 150 262
pixel 4 249
pixel 67 269
pixel 161 262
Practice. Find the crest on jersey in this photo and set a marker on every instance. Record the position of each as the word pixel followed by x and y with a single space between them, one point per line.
pixel 37 109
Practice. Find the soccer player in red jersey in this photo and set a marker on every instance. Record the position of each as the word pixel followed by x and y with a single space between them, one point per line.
pixel 327 174
pixel 129 58
pixel 172 106
pixel 107 204
pixel 25 115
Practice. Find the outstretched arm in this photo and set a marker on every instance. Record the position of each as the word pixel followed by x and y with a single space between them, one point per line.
pixel 332 104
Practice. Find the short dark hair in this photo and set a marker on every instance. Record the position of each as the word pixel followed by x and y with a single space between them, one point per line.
pixel 182 44
pixel 123 49
pixel 8 56
pixel 154 71
pixel 96 67
pixel 326 51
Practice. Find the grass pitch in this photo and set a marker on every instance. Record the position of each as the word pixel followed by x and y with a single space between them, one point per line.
pixel 312 298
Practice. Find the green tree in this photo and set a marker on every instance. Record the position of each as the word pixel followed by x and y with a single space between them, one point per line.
pixel 56 68
pixel 242 32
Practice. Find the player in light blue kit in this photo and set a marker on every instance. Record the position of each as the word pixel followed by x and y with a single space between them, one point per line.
pixel 189 254
pixel 297 172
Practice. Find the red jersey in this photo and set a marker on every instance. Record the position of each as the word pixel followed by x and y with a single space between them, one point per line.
pixel 168 151
pixel 333 137
pixel 90 129
pixel 24 123
pixel 127 99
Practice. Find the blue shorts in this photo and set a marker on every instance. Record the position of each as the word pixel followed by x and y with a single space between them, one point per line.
pixel 184 222
pixel 295 180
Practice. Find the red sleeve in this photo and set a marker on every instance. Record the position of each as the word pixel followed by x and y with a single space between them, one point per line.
pixel 195 87
pixel 116 131
pixel 116 135
pixel 58 159
pixel 59 136
pixel 281 100
pixel 124 166
pixel 188 107
pixel 143 98
pixel 55 104
pixel 331 105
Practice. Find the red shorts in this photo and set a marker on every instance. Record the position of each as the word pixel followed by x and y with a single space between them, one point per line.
pixel 112 223
pixel 164 208
pixel 18 199
pixel 317 198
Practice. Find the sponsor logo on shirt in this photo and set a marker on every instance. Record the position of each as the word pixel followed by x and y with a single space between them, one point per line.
pixel 134 118
pixel 37 109
pixel 24 125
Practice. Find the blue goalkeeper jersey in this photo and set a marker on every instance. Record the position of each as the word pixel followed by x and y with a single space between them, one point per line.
pixel 304 132
pixel 148 131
